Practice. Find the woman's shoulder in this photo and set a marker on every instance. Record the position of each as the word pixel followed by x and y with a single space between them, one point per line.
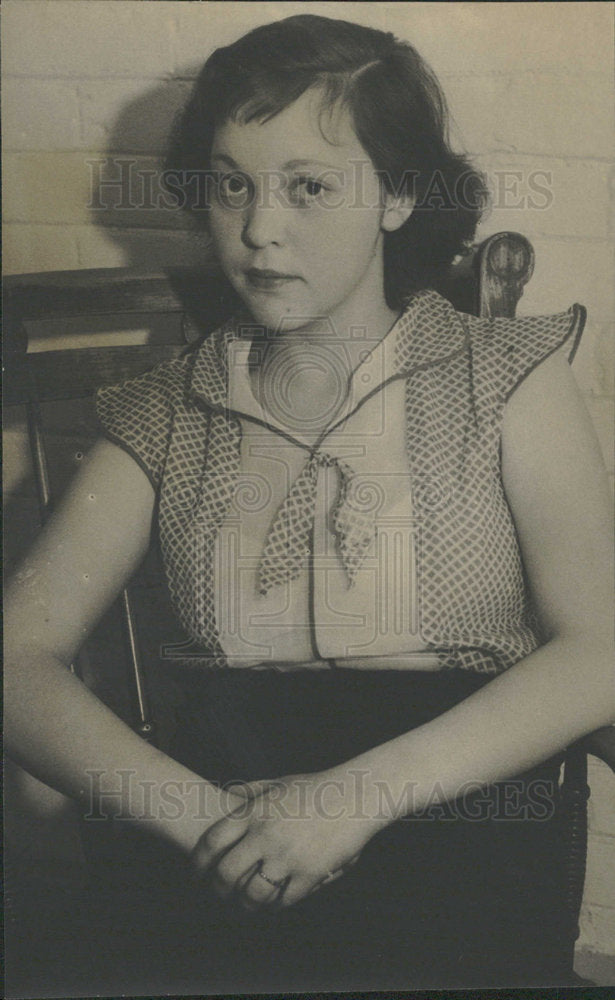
pixel 172 382
pixel 150 395
pixel 140 413
pixel 527 333
pixel 505 350
pixel 500 347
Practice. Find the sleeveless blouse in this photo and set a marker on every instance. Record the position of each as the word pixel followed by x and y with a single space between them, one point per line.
pixel 457 372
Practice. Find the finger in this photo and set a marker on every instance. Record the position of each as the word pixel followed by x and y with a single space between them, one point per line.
pixel 265 885
pixel 297 889
pixel 216 841
pixel 235 868
pixel 249 888
pixel 241 870
pixel 263 891
pixel 229 882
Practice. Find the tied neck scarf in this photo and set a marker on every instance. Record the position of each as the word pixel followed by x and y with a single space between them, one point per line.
pixel 288 542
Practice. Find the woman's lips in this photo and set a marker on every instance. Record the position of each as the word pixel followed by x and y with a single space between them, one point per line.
pixel 265 280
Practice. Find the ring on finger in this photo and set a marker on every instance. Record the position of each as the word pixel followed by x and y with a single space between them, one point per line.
pixel 276 883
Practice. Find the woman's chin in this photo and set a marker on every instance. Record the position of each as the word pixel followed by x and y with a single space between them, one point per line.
pixel 280 315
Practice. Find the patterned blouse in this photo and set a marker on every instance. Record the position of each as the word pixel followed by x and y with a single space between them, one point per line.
pixel 446 378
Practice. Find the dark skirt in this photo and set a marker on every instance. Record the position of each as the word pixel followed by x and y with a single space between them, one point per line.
pixel 466 894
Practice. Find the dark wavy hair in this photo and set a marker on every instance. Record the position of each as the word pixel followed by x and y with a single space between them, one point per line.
pixel 399 115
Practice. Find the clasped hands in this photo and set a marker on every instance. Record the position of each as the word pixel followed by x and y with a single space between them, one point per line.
pixel 284 840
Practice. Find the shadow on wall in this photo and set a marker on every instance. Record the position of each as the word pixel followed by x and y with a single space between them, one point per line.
pixel 127 199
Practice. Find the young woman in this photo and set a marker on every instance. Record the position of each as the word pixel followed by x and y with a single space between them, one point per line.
pixel 383 525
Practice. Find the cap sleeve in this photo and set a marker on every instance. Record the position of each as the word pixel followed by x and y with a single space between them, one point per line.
pixel 137 415
pixel 510 349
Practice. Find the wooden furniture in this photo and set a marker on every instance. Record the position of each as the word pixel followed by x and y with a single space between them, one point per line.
pixel 488 282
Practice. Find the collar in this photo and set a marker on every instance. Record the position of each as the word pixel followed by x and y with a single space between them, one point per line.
pixel 428 332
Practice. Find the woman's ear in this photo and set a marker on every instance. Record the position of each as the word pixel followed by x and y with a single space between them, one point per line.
pixel 397 210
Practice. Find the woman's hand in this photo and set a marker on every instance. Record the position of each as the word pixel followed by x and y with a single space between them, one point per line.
pixel 288 838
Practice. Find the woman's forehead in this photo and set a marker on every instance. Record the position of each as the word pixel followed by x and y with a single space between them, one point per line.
pixel 305 131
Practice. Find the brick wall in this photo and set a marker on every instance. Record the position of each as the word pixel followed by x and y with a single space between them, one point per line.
pixel 530 88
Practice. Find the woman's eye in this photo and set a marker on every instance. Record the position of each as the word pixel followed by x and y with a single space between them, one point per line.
pixel 307 189
pixel 234 190
pixel 313 188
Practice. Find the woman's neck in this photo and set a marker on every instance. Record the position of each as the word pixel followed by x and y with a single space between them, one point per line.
pixel 308 371
pixel 348 333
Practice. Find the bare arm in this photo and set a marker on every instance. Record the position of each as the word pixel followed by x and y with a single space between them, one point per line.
pixel 54 726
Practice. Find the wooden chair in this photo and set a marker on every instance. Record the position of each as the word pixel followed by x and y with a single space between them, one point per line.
pixel 488 282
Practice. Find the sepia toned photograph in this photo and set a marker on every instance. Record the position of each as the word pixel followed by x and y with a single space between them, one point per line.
pixel 309 680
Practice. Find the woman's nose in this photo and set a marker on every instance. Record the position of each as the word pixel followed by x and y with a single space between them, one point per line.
pixel 264 224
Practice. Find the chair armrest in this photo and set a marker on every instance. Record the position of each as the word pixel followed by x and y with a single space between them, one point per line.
pixel 601 743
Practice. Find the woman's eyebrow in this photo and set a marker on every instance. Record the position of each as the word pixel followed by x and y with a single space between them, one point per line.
pixel 289 165
pixel 296 164
pixel 226 159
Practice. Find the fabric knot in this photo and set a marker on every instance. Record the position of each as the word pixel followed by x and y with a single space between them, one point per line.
pixel 288 543
pixel 323 459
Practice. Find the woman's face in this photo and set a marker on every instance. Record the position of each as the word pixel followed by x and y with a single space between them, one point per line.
pixel 298 218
